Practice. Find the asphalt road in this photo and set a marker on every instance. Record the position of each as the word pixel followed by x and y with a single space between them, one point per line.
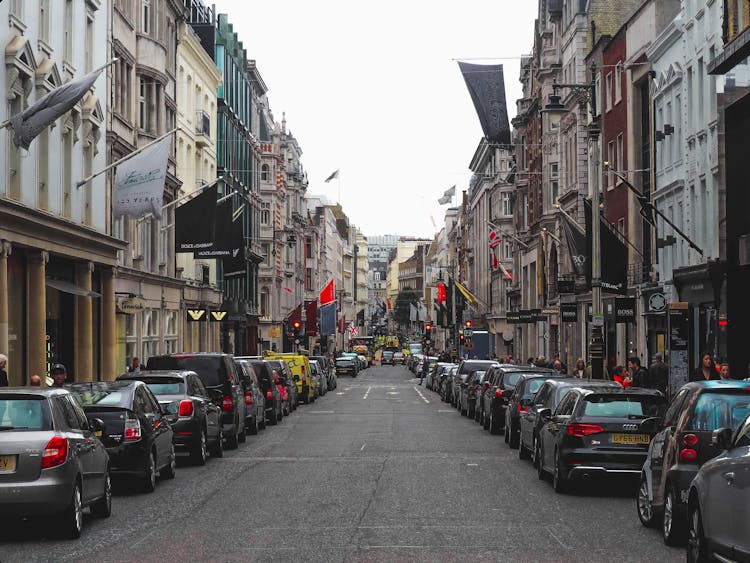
pixel 378 470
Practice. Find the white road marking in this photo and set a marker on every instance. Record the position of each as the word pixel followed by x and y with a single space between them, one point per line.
pixel 363 447
pixel 320 412
pixel 366 393
pixel 420 394
pixel 393 392
pixel 472 465
pixel 444 410
pixel 339 393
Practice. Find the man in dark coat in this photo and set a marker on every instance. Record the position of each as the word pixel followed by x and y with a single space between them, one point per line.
pixel 658 375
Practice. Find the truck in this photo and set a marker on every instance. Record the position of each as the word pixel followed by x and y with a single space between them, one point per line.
pixel 480 345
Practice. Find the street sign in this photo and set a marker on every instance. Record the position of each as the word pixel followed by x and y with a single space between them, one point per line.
pixel 597 320
pixel 468 332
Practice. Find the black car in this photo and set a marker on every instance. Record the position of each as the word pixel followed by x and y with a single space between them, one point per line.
pixel 194 415
pixel 270 392
pixel 386 358
pixel 548 397
pixel 346 365
pixel 501 378
pixel 255 402
pixel 468 393
pixel 519 401
pixel 682 444
pixel 136 433
pixel 216 371
pixel 598 432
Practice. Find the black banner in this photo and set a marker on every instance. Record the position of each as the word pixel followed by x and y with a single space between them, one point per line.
pixel 625 309
pixel 569 312
pixel 194 223
pixel 487 89
pixel 614 255
pixel 513 317
pixel 566 286
pixel 223 246
pixel 526 316
pixel 235 266
pixel 578 248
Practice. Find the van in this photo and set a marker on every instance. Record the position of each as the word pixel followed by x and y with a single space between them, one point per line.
pixel 299 363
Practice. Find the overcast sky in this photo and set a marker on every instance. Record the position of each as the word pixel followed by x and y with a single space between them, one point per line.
pixel 373 89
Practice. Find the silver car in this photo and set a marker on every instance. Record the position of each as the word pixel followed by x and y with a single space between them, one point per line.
pixel 51 461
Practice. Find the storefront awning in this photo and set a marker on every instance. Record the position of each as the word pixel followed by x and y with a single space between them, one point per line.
pixel 473 301
pixel 69 287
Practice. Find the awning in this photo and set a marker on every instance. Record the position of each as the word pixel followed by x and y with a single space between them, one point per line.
pixel 473 301
pixel 69 287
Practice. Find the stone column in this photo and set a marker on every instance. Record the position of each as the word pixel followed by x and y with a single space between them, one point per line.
pixel 4 253
pixel 84 349
pixel 37 314
pixel 108 340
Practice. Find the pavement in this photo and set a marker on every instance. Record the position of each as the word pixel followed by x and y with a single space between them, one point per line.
pixel 378 470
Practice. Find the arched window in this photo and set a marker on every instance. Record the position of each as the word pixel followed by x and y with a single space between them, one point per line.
pixel 264 173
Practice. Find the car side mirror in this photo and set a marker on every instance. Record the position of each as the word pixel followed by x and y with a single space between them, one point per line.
pixel 545 414
pixel 722 438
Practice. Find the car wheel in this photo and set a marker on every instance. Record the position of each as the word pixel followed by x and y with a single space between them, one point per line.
pixel 149 479
pixel 559 483
pixel 672 527
pixel 540 472
pixel 242 436
pixel 218 449
pixel 233 442
pixel 273 419
pixel 170 470
pixel 73 515
pixel 697 549
pixel 486 421
pixel 644 504
pixel 523 452
pixel 506 435
pixel 103 507
pixel 514 437
pixel 200 452
pixel 494 426
pixel 254 426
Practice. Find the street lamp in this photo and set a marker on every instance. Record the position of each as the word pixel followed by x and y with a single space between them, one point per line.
pixel 586 94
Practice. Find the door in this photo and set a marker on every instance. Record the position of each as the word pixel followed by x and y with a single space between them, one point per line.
pixel 740 485
pixel 82 447
pixel 162 428
pixel 658 460
pixel 213 414
pixel 556 427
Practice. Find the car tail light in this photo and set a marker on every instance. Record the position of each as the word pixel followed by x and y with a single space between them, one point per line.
pixel 304 380
pixel 269 395
pixel 580 430
pixel 248 399
pixel 186 408
pixel 55 452
pixel 522 409
pixel 132 430
pixel 688 455
pixel 499 394
pixel 690 440
pixel 227 404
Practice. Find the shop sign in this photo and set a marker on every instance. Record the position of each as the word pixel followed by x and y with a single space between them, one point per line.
pixel 195 315
pixel 218 316
pixel 625 309
pixel 131 306
pixel 569 312
pixel 513 317
pixel 657 302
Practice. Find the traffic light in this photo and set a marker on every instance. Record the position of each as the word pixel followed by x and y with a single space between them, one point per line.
pixel 428 331
pixel 467 324
pixel 296 325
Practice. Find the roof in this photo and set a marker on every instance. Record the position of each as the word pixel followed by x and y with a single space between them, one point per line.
pixel 45 391
pixel 719 384
pixel 156 373
pixel 119 384
pixel 622 391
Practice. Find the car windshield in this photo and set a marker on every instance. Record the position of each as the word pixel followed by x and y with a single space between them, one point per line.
pixel 720 410
pixel 167 388
pixel 24 412
pixel 344 361
pixel 512 378
pixel 210 369
pixel 102 396
pixel 534 385
pixel 623 406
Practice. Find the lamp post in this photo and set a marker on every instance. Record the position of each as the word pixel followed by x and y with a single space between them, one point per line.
pixel 586 94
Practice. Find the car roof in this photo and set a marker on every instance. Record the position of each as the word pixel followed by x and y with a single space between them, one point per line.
pixel 621 391
pixel 44 391
pixel 577 382
pixel 717 384
pixel 118 384
pixel 157 373
pixel 526 375
pixel 193 354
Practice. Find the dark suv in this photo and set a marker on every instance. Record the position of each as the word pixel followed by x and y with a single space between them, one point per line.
pixel 682 444
pixel 501 378
pixel 216 371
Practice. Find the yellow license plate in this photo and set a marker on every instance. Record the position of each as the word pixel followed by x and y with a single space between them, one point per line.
pixel 7 463
pixel 98 433
pixel 636 439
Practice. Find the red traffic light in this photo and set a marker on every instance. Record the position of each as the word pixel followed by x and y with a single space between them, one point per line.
pixel 468 324
pixel 296 325
pixel 428 326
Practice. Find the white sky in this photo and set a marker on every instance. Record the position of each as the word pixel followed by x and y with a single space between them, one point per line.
pixel 372 89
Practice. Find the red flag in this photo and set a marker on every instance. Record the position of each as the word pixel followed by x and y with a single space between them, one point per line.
pixel 328 295
pixel 495 263
pixel 342 324
pixel 295 315
pixel 311 313
pixel 388 302
pixel 494 238
pixel 441 292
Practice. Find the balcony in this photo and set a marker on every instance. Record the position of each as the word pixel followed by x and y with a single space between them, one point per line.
pixel 202 128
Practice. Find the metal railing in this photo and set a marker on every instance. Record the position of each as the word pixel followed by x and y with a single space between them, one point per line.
pixel 202 123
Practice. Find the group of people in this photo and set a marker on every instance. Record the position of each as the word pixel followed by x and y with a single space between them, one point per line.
pixel 58 375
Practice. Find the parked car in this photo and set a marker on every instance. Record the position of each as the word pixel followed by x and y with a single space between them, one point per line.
pixel 446 387
pixel 719 501
pixel 363 363
pixel 136 433
pixel 346 366
pixel 413 360
pixel 519 401
pixel 598 432
pixel 216 371
pixel 287 380
pixel 299 364
pixel 432 380
pixel 399 358
pixel 255 400
pixel 468 393
pixel 386 358
pixel 501 378
pixel 268 389
pixel 684 443
pixel 548 397
pixel 320 377
pixel 51 463
pixel 328 371
pixel 195 416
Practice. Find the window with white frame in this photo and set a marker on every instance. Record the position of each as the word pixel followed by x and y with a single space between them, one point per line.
pixel 620 157
pixel 608 91
pixel 170 331
pixel 612 162
pixel 507 203
pixel 265 213
pixel 618 82
pixel 554 182
pixel 507 250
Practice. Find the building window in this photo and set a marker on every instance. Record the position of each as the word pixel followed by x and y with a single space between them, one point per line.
pixel 507 203
pixel 612 162
pixel 620 156
pixel 146 17
pixel 618 83
pixel 308 248
pixel 265 173
pixel 308 279
pixel 609 93
pixel 265 213
pixel 143 105
pixel 68 31
pixel 44 20
pixel 205 274
pixel 508 250
pixel 554 170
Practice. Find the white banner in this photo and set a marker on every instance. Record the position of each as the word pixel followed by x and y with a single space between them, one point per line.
pixel 139 182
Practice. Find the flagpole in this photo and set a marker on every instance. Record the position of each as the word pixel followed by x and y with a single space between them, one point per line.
pixel 569 218
pixel 6 123
pixel 179 199
pixel 130 155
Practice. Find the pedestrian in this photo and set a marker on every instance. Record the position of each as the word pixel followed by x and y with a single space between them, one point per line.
pixel 59 375
pixel 557 365
pixel 35 381
pixel 3 373
pixel 530 361
pixel 562 364
pixel 135 365
pixel 424 370
pixel 658 375
pixel 724 371
pixel 541 362
pixel 637 373
pixel 580 370
pixel 706 371
pixel 621 376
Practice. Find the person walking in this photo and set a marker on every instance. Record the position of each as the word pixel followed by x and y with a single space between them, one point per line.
pixel 706 371
pixel 658 375
pixel 3 372
pixel 580 369
pixel 557 365
pixel 425 369
pixel 637 373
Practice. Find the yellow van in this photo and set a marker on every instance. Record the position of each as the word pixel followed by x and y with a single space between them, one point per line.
pixel 299 363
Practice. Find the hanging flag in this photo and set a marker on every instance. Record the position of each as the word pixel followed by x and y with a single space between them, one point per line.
pixel 487 90
pixel 328 295
pixel 493 237
pixel 412 313
pixel 34 119
pixel 441 292
pixel 342 324
pixel 328 320
pixel 352 329
pixel 311 316
pixel 139 182
pixel 506 273
pixel 295 315
pixel 577 248
pixel 445 199
pixel 388 303
pixel 495 261
pixel 194 227
pixel 614 255
pixel 235 266
pixel 288 289
pixel 333 176
pixel 224 246
pixel 450 192
pixel 541 267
